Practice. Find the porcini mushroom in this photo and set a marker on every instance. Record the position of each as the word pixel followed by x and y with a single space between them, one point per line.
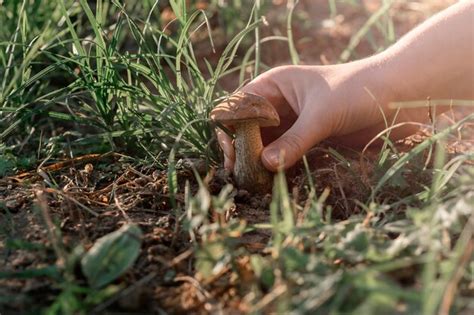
pixel 248 112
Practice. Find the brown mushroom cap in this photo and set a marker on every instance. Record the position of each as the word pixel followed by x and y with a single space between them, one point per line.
pixel 245 107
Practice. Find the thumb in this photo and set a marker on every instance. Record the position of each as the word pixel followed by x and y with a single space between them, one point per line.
pixel 292 145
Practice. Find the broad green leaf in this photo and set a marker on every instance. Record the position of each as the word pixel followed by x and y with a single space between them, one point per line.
pixel 112 255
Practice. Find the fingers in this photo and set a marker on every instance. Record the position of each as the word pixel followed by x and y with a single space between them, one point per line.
pixel 274 85
pixel 266 86
pixel 284 152
pixel 226 143
pixel 292 145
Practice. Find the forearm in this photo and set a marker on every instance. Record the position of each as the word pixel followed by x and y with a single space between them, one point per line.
pixel 434 60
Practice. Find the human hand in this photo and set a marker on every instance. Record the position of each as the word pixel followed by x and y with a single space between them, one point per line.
pixel 314 103
pixel 350 101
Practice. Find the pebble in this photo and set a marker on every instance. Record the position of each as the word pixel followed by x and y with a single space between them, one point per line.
pixel 242 195
pixel 199 165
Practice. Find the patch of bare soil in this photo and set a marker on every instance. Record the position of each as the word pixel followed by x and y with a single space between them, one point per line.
pixel 96 198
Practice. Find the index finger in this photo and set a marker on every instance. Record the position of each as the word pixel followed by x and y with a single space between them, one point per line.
pixel 269 85
pixel 227 146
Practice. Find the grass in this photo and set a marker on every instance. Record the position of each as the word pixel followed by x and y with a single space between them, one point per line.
pixel 125 80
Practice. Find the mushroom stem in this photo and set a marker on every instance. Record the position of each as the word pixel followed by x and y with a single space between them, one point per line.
pixel 249 172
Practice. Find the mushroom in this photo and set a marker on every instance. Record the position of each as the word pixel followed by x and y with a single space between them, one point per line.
pixel 248 112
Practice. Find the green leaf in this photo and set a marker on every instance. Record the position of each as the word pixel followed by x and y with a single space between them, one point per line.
pixel 112 255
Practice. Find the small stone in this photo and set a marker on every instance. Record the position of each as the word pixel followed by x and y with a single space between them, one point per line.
pixel 163 222
pixel 88 168
pixel 12 204
pixel 242 195
pixel 222 176
pixel 156 175
pixel 135 299
pixel 266 200
pixel 158 250
pixel 199 165
pixel 255 203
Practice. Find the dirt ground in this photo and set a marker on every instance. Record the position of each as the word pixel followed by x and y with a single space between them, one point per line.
pixel 162 277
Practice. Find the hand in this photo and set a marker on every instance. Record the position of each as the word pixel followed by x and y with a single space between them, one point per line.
pixel 350 101
pixel 314 103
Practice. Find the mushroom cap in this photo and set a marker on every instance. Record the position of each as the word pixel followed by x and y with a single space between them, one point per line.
pixel 245 107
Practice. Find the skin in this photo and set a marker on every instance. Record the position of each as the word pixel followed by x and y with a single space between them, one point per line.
pixel 346 101
pixel 250 174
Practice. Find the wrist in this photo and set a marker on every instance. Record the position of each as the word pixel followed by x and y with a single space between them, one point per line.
pixel 395 83
pixel 371 81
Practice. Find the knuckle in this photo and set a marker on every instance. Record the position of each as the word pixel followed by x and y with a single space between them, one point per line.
pixel 279 70
pixel 293 144
pixel 273 74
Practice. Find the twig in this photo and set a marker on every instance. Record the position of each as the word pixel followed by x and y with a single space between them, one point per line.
pixel 52 229
pixel 60 165
pixel 452 286
pixel 184 255
pixel 73 200
pixel 176 260
pixel 119 206
pixel 270 297
pixel 203 293
pixel 338 180
pixel 148 178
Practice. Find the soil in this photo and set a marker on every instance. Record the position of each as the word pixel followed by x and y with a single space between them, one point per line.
pixel 163 277
pixel 97 194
